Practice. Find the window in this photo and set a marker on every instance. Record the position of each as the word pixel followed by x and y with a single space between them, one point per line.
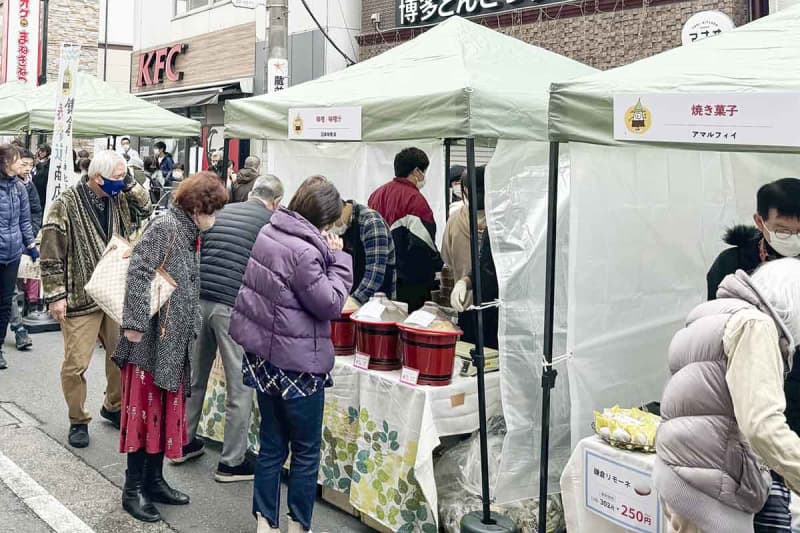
pixel 185 6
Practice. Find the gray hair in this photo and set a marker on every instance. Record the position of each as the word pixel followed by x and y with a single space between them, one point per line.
pixel 252 162
pixel 104 163
pixel 267 187
pixel 779 283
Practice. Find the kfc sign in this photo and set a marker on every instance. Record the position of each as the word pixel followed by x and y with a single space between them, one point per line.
pixel 156 64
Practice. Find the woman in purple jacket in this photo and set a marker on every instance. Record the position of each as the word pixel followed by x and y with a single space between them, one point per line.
pixel 296 282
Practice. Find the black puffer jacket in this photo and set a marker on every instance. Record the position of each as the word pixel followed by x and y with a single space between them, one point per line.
pixel 226 250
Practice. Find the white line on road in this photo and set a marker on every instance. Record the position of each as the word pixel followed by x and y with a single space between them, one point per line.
pixel 41 502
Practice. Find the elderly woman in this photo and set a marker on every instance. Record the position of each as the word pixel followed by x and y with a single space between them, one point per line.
pixel 296 282
pixel 154 352
pixel 723 408
pixel 16 232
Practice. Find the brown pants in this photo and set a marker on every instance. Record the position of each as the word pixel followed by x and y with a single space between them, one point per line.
pixel 80 339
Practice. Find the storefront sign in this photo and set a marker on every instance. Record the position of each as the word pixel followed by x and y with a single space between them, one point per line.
pixel 61 170
pixel 425 12
pixel 22 41
pixel 155 64
pixel 621 494
pixel 766 119
pixel 705 24
pixel 277 75
pixel 247 4
pixel 325 124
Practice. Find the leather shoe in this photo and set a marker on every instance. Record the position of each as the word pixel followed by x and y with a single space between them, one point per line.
pixel 156 487
pixel 79 435
pixel 112 416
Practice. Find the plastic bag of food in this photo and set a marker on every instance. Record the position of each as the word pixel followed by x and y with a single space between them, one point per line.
pixel 632 427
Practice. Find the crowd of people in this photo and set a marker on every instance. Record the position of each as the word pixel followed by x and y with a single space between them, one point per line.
pixel 254 281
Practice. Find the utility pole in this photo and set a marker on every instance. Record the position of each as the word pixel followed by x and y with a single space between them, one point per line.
pixel 278 55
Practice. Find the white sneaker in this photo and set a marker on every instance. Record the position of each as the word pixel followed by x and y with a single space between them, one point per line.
pixel 263 525
pixel 296 527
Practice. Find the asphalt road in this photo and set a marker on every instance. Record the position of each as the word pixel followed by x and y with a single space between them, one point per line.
pixel 33 436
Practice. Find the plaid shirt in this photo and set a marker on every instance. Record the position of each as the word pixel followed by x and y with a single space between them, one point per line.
pixel 269 379
pixel 379 251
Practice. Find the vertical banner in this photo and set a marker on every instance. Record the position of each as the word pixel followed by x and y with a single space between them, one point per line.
pixel 277 75
pixel 21 50
pixel 61 166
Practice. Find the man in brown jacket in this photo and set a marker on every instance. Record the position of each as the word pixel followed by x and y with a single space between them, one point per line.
pixel 76 230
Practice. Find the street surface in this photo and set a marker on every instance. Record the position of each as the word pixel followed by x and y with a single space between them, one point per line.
pixel 46 485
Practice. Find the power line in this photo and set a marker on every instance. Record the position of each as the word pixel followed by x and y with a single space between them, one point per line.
pixel 314 18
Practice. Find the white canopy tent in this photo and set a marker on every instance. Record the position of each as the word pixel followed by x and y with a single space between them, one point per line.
pixel 458 80
pixel 646 219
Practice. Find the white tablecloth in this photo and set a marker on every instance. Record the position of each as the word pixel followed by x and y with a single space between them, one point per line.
pixel 578 516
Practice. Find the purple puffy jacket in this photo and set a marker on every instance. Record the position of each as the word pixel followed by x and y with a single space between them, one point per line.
pixel 293 287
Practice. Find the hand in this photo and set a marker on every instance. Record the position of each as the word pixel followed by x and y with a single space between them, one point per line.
pixel 461 296
pixel 33 251
pixel 334 241
pixel 133 336
pixel 59 310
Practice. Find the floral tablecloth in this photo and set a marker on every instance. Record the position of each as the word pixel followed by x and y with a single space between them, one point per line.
pixel 378 438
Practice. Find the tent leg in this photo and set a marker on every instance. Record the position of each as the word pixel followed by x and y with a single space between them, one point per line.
pixel 549 373
pixel 484 521
pixel 447 179
pixel 27 141
pixel 114 142
pixel 225 158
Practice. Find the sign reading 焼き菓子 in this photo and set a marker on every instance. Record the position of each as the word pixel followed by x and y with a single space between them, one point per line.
pixel 744 119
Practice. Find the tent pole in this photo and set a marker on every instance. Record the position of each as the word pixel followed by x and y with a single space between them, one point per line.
pixel 114 142
pixel 485 520
pixel 447 179
pixel 549 373
pixel 225 158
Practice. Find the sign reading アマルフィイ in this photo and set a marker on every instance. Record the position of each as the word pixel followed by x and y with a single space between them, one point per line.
pixel 424 12
pixel 621 493
pixel 745 119
pixel 325 124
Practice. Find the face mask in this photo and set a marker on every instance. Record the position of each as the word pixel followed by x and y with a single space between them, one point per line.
pixel 787 247
pixel 338 230
pixel 112 187
pixel 456 191
pixel 205 222
pixel 177 175
pixel 421 183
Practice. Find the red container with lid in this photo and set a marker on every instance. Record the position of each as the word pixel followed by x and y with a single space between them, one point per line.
pixel 431 351
pixel 343 334
pixel 377 333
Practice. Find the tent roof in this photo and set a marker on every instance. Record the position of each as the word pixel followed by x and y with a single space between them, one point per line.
pixel 759 57
pixel 456 80
pixel 101 110
pixel 14 114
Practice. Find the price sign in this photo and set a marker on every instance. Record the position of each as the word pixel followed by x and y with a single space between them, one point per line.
pixel 620 493
pixel 409 376
pixel 361 361
pixel 421 318
pixel 371 310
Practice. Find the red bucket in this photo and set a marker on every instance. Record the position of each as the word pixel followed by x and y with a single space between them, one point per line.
pixel 343 334
pixel 380 341
pixel 432 353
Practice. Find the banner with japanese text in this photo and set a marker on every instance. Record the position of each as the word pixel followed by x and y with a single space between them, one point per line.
pixel 21 44
pixel 748 119
pixel 61 165
pixel 427 12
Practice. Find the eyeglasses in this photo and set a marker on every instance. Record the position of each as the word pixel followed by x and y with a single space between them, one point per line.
pixel 784 234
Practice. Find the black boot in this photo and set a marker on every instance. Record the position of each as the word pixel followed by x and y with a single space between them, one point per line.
pixel 156 487
pixel 134 499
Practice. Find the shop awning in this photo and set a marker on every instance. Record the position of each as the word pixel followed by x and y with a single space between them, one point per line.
pixel 179 100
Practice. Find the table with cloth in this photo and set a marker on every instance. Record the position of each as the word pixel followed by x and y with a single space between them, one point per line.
pixel 618 507
pixel 378 437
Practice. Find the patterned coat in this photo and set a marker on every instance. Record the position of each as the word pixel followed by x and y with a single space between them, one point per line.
pixel 73 240
pixel 173 236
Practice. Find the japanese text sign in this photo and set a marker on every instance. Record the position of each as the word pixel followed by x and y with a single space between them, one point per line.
pixel 621 494
pixel 425 12
pixel 749 119
pixel 22 41
pixel 61 168
pixel 277 75
pixel 325 124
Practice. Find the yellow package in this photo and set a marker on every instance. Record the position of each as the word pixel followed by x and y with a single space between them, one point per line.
pixel 627 426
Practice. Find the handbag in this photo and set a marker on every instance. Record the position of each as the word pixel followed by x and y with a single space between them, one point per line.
pixel 109 281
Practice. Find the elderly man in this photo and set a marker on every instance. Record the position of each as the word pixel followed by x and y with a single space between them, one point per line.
pixel 224 256
pixel 240 189
pixel 76 231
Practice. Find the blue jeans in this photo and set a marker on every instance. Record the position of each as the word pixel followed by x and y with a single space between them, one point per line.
pixel 284 423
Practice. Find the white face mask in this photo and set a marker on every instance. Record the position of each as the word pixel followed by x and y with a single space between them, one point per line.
pixel 177 175
pixel 338 230
pixel 786 246
pixel 205 222
pixel 456 191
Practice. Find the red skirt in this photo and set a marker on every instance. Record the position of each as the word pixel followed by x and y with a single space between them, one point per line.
pixel 153 419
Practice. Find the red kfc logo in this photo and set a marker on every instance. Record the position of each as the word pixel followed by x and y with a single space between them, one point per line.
pixel 155 64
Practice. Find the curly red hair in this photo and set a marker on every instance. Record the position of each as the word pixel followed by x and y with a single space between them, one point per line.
pixel 201 193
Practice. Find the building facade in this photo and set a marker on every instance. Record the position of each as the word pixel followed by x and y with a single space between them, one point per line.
pixel 190 56
pixel 600 33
